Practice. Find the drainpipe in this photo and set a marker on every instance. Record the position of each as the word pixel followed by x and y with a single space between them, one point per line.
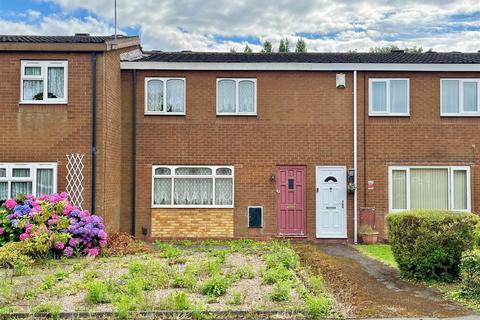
pixel 355 195
pixel 134 148
pixel 94 126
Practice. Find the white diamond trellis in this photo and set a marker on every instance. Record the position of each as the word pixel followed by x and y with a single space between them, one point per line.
pixel 75 178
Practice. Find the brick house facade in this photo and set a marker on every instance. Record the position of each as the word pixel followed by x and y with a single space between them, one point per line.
pixel 191 145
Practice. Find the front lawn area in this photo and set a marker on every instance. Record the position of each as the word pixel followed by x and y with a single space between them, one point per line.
pixel 380 252
pixel 239 275
pixel 383 253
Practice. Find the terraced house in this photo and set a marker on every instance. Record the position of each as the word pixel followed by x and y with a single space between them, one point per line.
pixel 205 145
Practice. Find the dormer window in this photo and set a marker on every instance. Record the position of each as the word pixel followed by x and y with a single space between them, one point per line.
pixel 44 82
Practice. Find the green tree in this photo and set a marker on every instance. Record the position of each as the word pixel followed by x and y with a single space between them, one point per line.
pixel 284 45
pixel 247 49
pixel 391 48
pixel 301 46
pixel 267 47
pixel 232 50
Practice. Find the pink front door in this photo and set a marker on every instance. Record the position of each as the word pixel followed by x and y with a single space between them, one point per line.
pixel 291 200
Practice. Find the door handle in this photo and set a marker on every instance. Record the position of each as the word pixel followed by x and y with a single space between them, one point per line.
pixel 342 204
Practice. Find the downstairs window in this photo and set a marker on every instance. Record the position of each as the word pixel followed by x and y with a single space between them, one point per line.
pixel 27 178
pixel 192 186
pixel 429 188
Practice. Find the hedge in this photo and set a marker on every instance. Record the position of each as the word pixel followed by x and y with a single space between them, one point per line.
pixel 428 244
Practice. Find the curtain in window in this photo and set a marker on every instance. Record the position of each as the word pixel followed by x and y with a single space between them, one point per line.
pixel 450 96
pixel 246 96
pixel 162 191
pixel 3 190
pixel 223 191
pixel 399 189
pixel 379 96
pixel 193 191
pixel 226 96
pixel 429 188
pixel 460 190
pixel 398 96
pixel 33 71
pixel 175 95
pixel 193 171
pixel 44 182
pixel 21 172
pixel 32 89
pixel 56 82
pixel 155 95
pixel 3 172
pixel 470 96
pixel 21 187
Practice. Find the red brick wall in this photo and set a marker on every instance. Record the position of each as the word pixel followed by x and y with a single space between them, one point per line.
pixel 302 120
pixel 424 138
pixel 38 133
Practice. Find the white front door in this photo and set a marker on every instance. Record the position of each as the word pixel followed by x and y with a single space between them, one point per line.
pixel 331 217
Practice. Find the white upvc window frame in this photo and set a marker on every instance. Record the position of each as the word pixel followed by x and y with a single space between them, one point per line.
pixel 165 112
pixel 461 112
pixel 172 176
pixel 388 112
pixel 44 65
pixel 33 166
pixel 237 98
pixel 451 170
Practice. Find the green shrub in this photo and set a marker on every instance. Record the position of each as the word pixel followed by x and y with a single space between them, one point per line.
pixel 170 251
pixel 280 292
pixel 215 286
pixel 14 255
pixel 283 256
pixel 244 272
pixel 318 307
pixel 236 298
pixel 176 301
pixel 183 280
pixel 470 274
pixel 97 292
pixel 52 309
pixel 428 244
pixel 316 284
pixel 277 274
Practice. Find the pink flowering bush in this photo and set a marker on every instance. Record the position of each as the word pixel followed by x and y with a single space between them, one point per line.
pixel 51 225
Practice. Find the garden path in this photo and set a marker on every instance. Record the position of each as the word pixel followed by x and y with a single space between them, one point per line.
pixel 368 288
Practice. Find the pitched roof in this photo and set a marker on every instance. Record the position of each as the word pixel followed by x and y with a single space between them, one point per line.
pixel 314 57
pixel 78 38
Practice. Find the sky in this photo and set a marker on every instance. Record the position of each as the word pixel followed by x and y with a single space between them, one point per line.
pixel 209 25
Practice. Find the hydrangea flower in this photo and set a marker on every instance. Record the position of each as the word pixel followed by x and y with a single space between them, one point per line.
pixel 2 231
pixel 10 203
pixel 68 251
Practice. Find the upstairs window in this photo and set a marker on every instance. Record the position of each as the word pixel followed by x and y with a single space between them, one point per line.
pixel 27 178
pixel 446 188
pixel 165 96
pixel 43 82
pixel 460 97
pixel 236 96
pixel 389 97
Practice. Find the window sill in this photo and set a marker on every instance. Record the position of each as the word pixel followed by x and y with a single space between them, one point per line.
pixel 236 114
pixel 388 115
pixel 459 115
pixel 43 103
pixel 165 114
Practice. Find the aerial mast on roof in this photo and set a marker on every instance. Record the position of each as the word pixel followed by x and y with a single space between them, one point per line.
pixel 115 18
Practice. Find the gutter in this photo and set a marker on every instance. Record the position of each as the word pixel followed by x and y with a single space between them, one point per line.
pixel 355 181
pixel 134 149
pixel 94 126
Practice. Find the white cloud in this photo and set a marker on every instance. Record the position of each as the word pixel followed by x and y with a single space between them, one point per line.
pixel 340 25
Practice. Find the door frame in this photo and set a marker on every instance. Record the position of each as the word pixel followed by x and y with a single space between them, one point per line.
pixel 345 234
pixel 277 193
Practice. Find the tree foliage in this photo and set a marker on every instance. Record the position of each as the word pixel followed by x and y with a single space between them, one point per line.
pixel 284 45
pixel 301 46
pixel 267 47
pixel 391 48
pixel 247 49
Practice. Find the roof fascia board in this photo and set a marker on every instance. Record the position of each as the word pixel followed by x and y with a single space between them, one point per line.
pixel 31 46
pixel 291 66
